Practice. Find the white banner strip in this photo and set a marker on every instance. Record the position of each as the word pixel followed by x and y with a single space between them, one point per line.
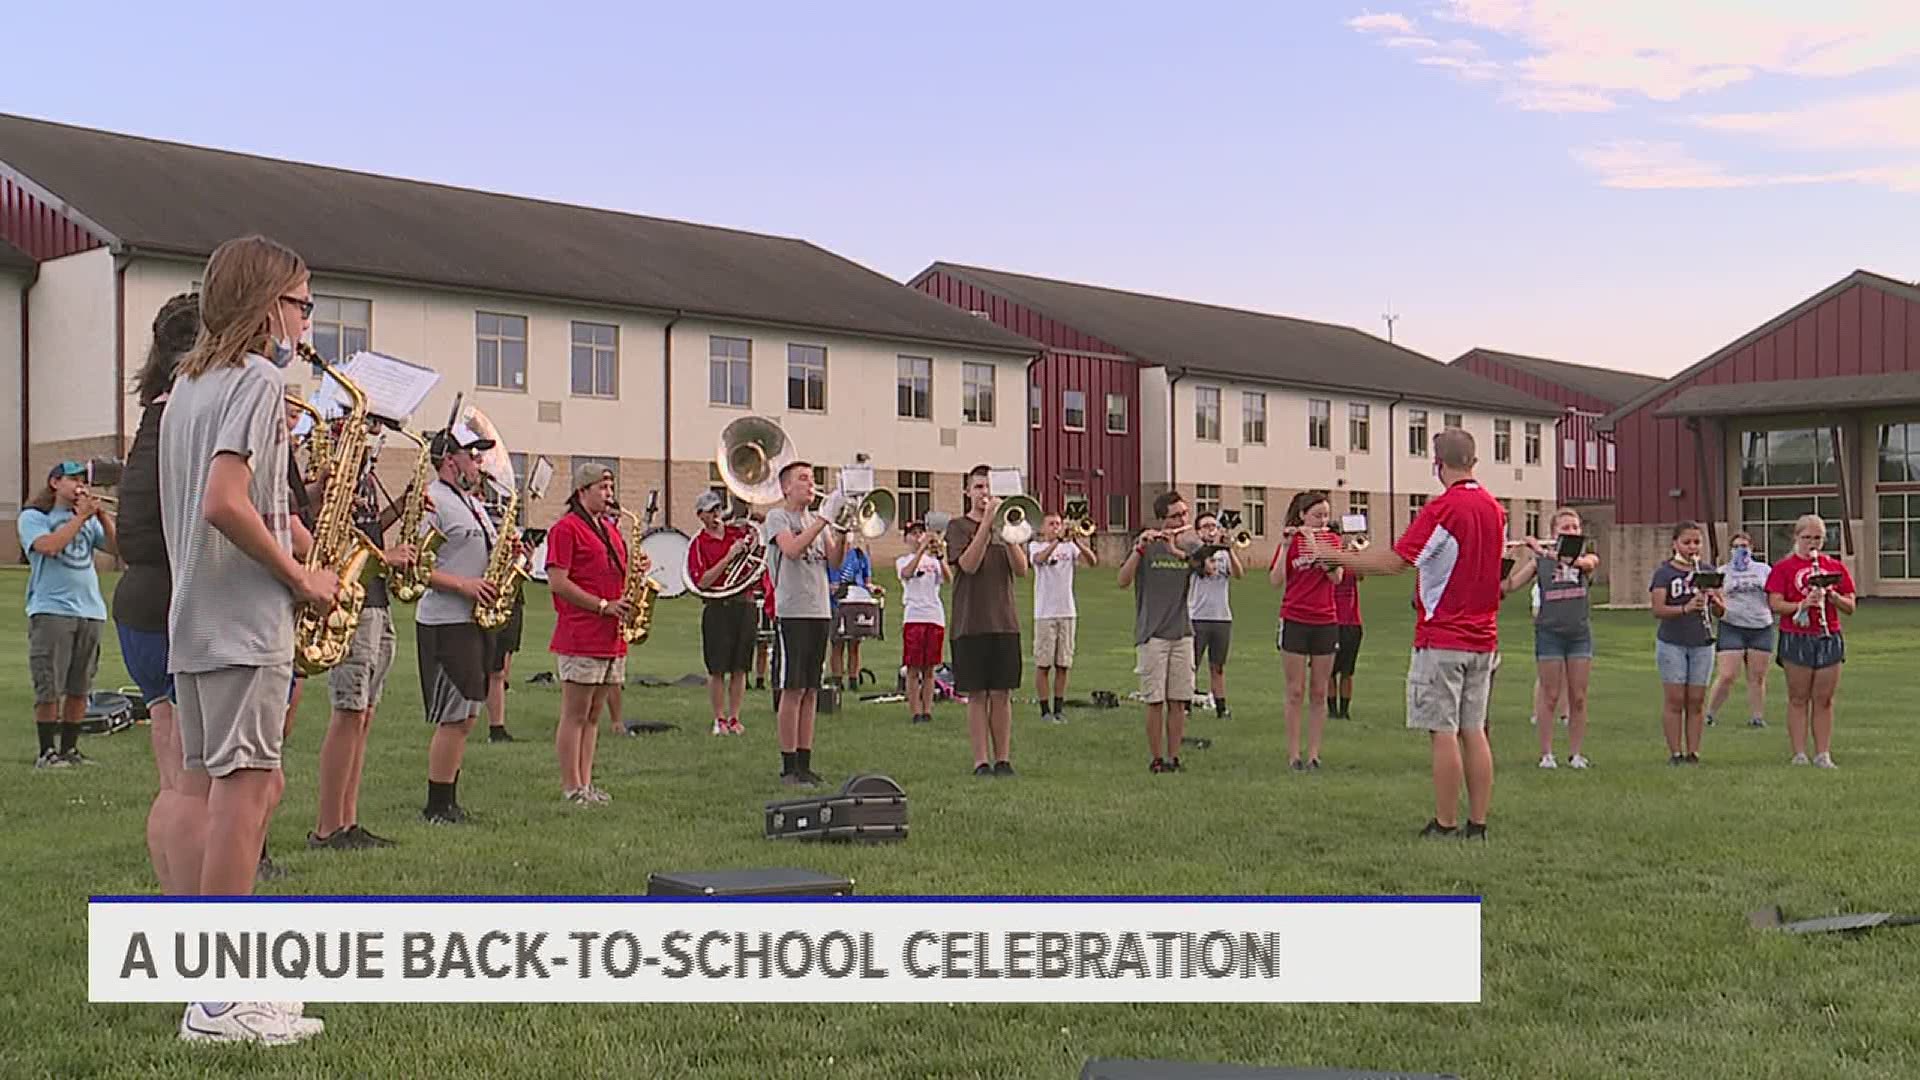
pixel 988 949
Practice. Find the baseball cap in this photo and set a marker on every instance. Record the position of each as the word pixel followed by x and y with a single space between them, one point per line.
pixel 708 500
pixel 588 474
pixel 67 468
pixel 912 527
pixel 457 437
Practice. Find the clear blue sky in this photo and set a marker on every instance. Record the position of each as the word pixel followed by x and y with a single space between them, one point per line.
pixel 1622 188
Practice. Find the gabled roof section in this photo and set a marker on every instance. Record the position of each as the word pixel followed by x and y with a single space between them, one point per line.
pixel 1866 278
pixel 1186 335
pixel 1606 384
pixel 169 198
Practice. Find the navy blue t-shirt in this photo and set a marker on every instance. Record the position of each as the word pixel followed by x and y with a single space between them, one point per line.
pixel 1691 629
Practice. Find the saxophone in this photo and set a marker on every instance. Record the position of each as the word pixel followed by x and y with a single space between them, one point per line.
pixel 319 443
pixel 641 590
pixel 409 583
pixel 506 569
pixel 322 635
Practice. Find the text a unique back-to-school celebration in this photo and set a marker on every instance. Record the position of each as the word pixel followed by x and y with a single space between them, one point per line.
pixel 1359 541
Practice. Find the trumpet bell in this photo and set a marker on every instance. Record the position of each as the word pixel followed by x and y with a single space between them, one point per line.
pixel 1017 519
pixel 752 451
pixel 1243 538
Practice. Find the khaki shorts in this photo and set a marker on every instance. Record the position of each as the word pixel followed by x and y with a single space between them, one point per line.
pixel 1165 668
pixel 1053 642
pixel 232 718
pixel 591 670
pixel 63 656
pixel 356 684
pixel 1447 689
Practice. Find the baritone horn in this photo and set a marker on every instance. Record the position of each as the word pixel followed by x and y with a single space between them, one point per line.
pixel 870 516
pixel 1016 519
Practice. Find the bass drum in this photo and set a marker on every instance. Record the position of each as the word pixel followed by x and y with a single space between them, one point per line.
pixel 667 547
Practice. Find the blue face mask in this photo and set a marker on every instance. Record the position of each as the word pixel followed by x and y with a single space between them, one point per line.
pixel 1742 558
pixel 282 353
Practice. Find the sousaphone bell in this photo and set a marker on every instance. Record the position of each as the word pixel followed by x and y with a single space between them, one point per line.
pixel 753 450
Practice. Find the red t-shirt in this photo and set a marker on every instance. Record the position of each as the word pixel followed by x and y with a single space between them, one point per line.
pixel 573 546
pixel 708 549
pixel 1455 544
pixel 1346 599
pixel 1309 596
pixel 1788 578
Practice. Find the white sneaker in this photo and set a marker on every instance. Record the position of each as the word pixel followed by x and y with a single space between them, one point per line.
pixel 576 796
pixel 1533 721
pixel 1824 761
pixel 1547 762
pixel 1799 759
pixel 1579 761
pixel 720 727
pixel 260 1022
pixel 595 795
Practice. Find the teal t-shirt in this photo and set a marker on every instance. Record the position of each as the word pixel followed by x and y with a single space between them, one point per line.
pixel 66 583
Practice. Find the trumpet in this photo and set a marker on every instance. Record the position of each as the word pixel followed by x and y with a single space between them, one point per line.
pixel 870 516
pixel 1230 524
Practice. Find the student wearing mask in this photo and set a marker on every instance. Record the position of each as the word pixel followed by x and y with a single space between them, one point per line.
pixel 1746 633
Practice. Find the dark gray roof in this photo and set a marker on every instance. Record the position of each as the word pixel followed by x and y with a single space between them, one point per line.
pixel 1892 390
pixel 1190 336
pixel 12 258
pixel 1610 386
pixel 166 197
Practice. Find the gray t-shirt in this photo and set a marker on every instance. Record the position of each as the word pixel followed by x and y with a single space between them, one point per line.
pixel 1160 592
pixel 799 585
pixel 1746 595
pixel 1207 600
pixel 470 536
pixel 227 609
pixel 1563 597
pixel 1689 630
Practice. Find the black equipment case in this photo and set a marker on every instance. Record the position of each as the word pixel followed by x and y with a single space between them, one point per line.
pixel 776 882
pixel 867 807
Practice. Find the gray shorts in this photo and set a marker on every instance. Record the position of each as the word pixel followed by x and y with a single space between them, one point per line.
pixel 232 718
pixel 1211 640
pixel 357 682
pixel 63 654
pixel 1688 665
pixel 1447 690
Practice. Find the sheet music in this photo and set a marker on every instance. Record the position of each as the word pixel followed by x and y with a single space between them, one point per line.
pixel 1004 482
pixel 1353 523
pixel 394 388
pixel 856 478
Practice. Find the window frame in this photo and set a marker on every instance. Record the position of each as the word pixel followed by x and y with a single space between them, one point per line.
pixel 1067 410
pixel 1502 441
pixel 1532 445
pixel 1418 435
pixel 970 393
pixel 500 339
pixel 805 367
pixel 1206 418
pixel 908 382
pixel 1122 400
pixel 595 349
pixel 1253 417
pixel 1359 427
pixel 340 326
pixel 730 362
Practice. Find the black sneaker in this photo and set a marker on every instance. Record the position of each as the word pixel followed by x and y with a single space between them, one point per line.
pixel 1157 766
pixel 983 769
pixel 447 815
pixel 500 734
pixel 335 839
pixel 1173 765
pixel 1709 719
pixel 1297 765
pixel 809 778
pixel 1435 830
pixel 1223 714
pixel 1693 759
pixel 75 757
pixel 269 870
pixel 52 760
pixel 1314 764
pixel 1677 759
pixel 791 779
pixel 363 838
pixel 760 684
pixel 922 718
pixel 1003 768
pixel 1757 722
pixel 1476 832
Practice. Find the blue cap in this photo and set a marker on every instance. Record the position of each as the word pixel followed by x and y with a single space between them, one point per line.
pixel 68 468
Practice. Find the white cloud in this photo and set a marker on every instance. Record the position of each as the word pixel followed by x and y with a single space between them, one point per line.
pixel 1889 121
pixel 1472 70
pixel 1556 99
pixel 1646 165
pixel 1412 43
pixel 1388 23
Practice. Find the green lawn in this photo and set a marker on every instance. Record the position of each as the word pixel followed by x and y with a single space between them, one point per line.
pixel 1615 938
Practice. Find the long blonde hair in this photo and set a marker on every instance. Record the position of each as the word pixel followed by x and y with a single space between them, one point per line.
pixel 244 282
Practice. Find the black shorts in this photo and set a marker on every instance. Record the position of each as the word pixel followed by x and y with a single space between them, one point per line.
pixel 1212 637
pixel 453 670
pixel 728 631
pixel 987 662
pixel 1309 640
pixel 504 640
pixel 1346 651
pixel 799 653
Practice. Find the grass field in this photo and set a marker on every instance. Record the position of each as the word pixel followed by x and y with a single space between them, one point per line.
pixel 1615 942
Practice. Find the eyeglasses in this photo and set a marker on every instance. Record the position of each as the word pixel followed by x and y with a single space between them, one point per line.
pixel 305 306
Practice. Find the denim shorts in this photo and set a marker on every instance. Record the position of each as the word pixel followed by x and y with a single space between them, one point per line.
pixel 1809 651
pixel 1740 639
pixel 1688 664
pixel 1553 645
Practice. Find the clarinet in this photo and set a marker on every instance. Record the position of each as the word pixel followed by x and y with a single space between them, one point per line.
pixel 1706 605
pixel 1823 601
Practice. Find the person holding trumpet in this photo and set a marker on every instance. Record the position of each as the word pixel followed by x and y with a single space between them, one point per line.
pixel 1684 645
pixel 1209 610
pixel 1810 591
pixel 1054 555
pixel 60 529
pixel 800 545
pixel 986 629
pixel 923 627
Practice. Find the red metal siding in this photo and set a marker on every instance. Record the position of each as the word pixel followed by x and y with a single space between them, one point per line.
pixel 1862 330
pixel 1576 483
pixel 1090 461
pixel 1528 383
pixel 36 228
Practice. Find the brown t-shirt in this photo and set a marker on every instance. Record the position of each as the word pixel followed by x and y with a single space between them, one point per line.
pixel 982 600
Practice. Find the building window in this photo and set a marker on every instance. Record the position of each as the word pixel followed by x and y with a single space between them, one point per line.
pixel 730 371
pixel 596 359
pixel 1117 512
pixel 1900 453
pixel 1533 442
pixel 1569 457
pixel 1206 413
pixel 806 378
pixel 1253 507
pixel 1073 410
pixel 1502 441
pixel 1414 503
pixel 1033 405
pixel 341 327
pixel 1900 536
pixel 1206 500
pixel 1610 456
pixel 1593 455
pixel 976 393
pixel 611 464
pixel 1506 513
pixel 518 462
pixel 915 494
pixel 1253 418
pixel 1319 424
pixel 1453 421
pixel 1795 458
pixel 1116 414
pixel 1359 427
pixel 1533 519
pixel 1769 519
pixel 1417 432
pixel 915 382
pixel 1357 503
pixel 500 347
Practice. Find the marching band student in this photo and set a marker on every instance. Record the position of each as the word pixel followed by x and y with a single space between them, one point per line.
pixel 1746 633
pixel 587 574
pixel 923 626
pixel 728 626
pixel 1210 611
pixel 986 630
pixel 1562 636
pixel 1811 646
pixel 1160 569
pixel 1054 556
pixel 60 529
pixel 1684 644
pixel 799 548
pixel 453 650
pixel 1346 650
pixel 856 569
pixel 502 644
pixel 1309 623
pixel 224 513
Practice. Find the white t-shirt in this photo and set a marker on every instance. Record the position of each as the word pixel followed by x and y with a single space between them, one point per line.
pixel 921 592
pixel 1053 579
pixel 1207 597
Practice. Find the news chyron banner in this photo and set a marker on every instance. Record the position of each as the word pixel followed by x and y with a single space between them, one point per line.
pixel 864 949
